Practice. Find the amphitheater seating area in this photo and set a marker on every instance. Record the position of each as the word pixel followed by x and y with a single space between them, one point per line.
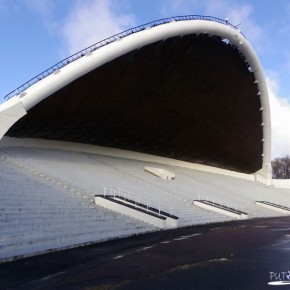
pixel 47 198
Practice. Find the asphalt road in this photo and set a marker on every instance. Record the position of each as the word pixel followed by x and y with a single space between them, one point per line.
pixel 242 255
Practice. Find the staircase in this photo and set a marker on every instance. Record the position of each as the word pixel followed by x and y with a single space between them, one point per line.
pixel 37 216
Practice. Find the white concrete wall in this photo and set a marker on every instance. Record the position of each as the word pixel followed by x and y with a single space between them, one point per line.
pixel 219 210
pixel 10 112
pixel 283 183
pixel 134 213
pixel 272 207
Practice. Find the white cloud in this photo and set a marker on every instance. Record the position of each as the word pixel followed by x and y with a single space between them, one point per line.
pixel 236 13
pixel 280 120
pixel 90 21
pixel 242 15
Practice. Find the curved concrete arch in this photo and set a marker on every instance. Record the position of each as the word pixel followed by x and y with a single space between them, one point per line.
pixel 18 105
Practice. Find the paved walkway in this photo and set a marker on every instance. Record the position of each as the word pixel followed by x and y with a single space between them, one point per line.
pixel 235 255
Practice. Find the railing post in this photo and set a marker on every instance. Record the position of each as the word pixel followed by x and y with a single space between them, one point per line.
pixel 136 199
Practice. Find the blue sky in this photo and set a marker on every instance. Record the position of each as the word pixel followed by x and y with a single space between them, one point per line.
pixel 35 34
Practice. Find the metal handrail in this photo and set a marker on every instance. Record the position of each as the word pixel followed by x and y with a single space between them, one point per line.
pixel 107 41
pixel 137 199
pixel 222 203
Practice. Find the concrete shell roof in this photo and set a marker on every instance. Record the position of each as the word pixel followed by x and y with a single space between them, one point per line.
pixel 191 90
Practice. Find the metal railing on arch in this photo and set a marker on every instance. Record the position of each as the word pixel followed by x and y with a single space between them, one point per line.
pixel 107 41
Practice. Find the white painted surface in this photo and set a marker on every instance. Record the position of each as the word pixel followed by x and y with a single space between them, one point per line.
pixel 38 215
pixel 160 172
pixel 134 200
pixel 80 147
pixel 219 210
pixel 10 112
pixel 91 171
pixel 47 195
pixel 282 183
pixel 272 207
pixel 169 222
pixel 134 213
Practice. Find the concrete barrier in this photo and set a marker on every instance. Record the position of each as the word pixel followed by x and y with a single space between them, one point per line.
pixel 219 209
